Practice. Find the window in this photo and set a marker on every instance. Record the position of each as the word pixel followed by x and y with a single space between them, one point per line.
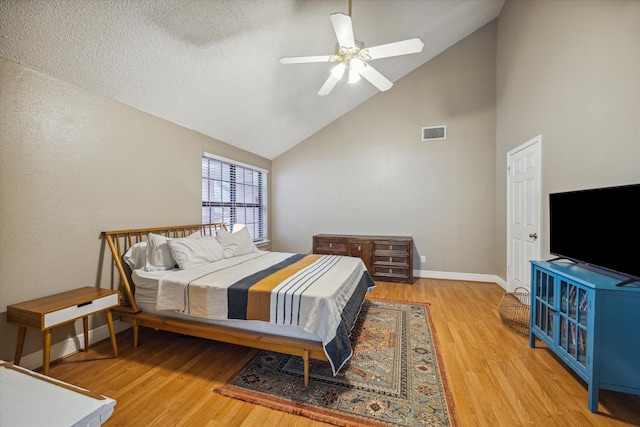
pixel 234 193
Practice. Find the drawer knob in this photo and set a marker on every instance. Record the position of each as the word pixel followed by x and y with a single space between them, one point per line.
pixel 330 245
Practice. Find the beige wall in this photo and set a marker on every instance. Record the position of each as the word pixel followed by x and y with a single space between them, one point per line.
pixel 72 164
pixel 369 172
pixel 564 69
pixel 571 72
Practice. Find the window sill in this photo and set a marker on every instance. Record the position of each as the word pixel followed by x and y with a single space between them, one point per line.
pixel 263 245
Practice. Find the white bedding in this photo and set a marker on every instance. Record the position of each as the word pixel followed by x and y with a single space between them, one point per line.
pixel 312 296
pixel 147 283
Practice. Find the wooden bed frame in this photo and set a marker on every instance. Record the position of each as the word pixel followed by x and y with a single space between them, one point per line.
pixel 121 240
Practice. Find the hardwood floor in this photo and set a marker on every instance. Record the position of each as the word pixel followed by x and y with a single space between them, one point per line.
pixel 495 378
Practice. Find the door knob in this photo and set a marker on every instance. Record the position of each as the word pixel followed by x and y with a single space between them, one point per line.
pixel 534 236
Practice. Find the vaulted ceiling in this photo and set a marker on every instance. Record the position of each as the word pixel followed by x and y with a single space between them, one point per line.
pixel 212 65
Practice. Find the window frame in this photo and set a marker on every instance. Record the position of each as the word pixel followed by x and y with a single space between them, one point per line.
pixel 260 224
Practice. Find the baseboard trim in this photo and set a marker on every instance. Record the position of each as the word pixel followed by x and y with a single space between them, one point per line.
pixel 71 345
pixel 470 277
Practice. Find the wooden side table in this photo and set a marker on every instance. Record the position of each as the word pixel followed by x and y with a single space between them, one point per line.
pixel 55 310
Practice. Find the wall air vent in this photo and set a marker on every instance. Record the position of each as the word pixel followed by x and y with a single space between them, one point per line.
pixel 434 132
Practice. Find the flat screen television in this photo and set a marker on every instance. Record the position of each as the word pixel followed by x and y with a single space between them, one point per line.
pixel 599 227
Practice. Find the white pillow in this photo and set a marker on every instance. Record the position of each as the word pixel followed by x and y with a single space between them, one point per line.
pixel 234 244
pixel 159 254
pixel 190 253
pixel 136 256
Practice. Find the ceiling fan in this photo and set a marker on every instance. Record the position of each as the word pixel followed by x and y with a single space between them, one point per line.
pixel 352 55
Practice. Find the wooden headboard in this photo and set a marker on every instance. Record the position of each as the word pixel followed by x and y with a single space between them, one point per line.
pixel 120 241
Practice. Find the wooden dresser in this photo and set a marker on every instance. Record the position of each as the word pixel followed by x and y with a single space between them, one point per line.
pixel 388 258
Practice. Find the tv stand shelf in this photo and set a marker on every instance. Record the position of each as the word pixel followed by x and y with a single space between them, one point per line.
pixel 590 323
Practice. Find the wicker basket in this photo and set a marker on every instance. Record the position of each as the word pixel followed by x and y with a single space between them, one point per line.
pixel 514 310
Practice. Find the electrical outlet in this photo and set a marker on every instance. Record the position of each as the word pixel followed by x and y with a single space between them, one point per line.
pixel 423 258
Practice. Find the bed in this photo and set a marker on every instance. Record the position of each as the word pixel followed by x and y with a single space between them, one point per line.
pixel 202 280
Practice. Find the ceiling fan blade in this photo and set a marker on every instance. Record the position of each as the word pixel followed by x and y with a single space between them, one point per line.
pixel 343 28
pixel 404 47
pixel 305 59
pixel 375 78
pixel 334 77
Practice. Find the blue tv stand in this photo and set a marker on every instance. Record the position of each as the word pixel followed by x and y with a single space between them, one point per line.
pixel 590 323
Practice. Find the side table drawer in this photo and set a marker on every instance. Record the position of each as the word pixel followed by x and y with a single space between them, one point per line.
pixel 74 312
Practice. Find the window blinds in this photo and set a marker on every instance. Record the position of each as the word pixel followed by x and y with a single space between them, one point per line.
pixel 234 193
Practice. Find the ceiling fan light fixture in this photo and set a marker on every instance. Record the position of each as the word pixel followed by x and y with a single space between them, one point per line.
pixel 348 52
pixel 354 76
pixel 338 70
pixel 355 66
pixel 351 54
pixel 364 54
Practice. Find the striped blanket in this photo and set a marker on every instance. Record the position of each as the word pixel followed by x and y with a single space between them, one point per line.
pixel 320 294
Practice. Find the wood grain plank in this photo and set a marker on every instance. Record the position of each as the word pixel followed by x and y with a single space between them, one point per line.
pixel 495 378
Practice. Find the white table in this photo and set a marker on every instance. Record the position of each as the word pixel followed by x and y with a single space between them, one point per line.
pixel 31 399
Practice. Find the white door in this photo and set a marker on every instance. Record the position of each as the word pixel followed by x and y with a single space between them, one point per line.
pixel 523 211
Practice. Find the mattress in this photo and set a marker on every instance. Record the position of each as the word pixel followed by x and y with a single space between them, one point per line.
pixel 309 296
pixel 146 294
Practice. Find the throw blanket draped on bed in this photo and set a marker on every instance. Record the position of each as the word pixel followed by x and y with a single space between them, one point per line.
pixel 321 294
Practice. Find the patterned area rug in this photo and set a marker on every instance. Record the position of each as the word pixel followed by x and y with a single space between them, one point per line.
pixel 395 377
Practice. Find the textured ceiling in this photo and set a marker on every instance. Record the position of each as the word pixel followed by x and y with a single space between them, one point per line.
pixel 212 65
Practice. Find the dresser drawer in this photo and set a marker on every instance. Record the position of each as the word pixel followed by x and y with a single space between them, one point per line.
pixel 389 272
pixel 391 259
pixel 391 247
pixel 76 311
pixel 387 258
pixel 330 246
